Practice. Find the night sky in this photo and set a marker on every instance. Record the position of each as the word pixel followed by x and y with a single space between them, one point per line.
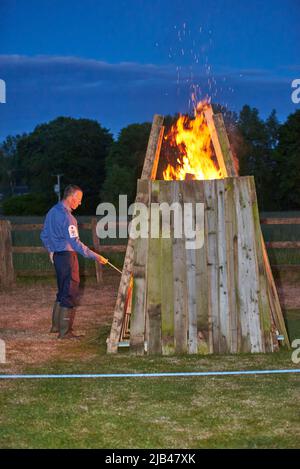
pixel 121 61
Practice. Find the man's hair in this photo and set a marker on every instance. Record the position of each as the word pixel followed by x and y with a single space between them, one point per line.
pixel 70 190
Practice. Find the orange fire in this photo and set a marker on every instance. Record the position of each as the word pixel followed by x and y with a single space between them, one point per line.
pixel 192 139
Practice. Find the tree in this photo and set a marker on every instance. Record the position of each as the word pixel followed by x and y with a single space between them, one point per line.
pixel 287 182
pixel 11 172
pixel 272 128
pixel 124 163
pixel 76 148
pixel 255 151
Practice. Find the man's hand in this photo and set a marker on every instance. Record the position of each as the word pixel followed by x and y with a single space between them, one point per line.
pixel 102 260
pixel 51 257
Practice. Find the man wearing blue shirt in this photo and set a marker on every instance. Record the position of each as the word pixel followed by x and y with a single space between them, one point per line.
pixel 61 239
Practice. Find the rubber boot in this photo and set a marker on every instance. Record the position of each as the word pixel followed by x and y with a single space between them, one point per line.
pixel 55 317
pixel 66 318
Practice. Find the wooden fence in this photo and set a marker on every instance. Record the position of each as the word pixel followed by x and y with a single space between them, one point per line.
pixel 7 249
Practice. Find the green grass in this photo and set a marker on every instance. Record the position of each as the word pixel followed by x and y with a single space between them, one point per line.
pixel 259 411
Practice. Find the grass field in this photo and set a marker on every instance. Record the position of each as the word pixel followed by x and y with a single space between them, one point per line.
pixel 259 411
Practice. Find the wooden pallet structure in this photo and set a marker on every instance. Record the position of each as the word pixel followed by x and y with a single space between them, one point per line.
pixel 219 298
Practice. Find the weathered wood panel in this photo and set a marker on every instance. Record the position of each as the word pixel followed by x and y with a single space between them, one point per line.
pixel 280 221
pixel 96 246
pixel 219 298
pixel 224 332
pixel 154 273
pixel 209 117
pixel 232 266
pixel 265 308
pixel 7 276
pixel 201 276
pixel 147 173
pixel 224 145
pixel 166 255
pixel 179 280
pixel 211 239
pixel 189 201
pixel 248 282
pixel 137 321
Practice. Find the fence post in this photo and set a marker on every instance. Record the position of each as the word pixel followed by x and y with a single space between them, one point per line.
pixel 96 244
pixel 7 275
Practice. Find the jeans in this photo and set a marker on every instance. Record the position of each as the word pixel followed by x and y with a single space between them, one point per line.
pixel 67 273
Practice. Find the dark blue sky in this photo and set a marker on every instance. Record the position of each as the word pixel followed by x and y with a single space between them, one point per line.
pixel 121 61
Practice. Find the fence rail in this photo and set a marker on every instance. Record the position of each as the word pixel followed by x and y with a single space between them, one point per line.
pixel 7 249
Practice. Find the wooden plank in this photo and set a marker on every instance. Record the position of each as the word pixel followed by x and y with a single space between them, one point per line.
pixel 167 292
pixel 225 145
pixel 154 272
pixel 224 331
pixel 215 139
pixel 106 248
pixel 153 148
pixel 267 328
pixel 242 275
pixel 280 221
pixel 157 152
pixel 283 244
pixel 137 321
pixel 232 266
pixel 291 267
pixel 248 283
pixel 115 332
pixel 211 216
pixel 154 326
pixel 40 250
pixel 274 299
pixel 201 280
pixel 179 281
pixel 7 275
pixel 26 226
pixel 96 246
pixel 29 250
pixel 39 226
pixel 49 273
pixel 112 342
pixel 189 197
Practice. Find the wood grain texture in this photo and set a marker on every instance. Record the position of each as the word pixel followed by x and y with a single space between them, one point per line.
pixel 147 173
pixel 137 321
pixel 179 280
pixel 154 273
pixel 7 275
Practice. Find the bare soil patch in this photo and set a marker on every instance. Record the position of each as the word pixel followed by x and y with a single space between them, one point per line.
pixel 25 320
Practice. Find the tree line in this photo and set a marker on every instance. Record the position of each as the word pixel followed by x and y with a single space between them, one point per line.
pixel 86 154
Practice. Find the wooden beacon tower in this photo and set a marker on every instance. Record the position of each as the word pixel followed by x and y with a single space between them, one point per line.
pixel 220 298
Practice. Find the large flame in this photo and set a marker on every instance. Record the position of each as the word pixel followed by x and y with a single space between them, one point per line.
pixel 192 139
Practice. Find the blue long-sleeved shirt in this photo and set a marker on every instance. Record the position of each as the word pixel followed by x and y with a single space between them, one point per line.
pixel 60 232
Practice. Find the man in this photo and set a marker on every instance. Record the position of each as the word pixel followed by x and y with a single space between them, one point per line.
pixel 61 239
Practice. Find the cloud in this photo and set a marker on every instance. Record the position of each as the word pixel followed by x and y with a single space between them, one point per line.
pixel 40 88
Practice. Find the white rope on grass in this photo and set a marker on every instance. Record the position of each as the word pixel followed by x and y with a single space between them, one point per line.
pixel 150 375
